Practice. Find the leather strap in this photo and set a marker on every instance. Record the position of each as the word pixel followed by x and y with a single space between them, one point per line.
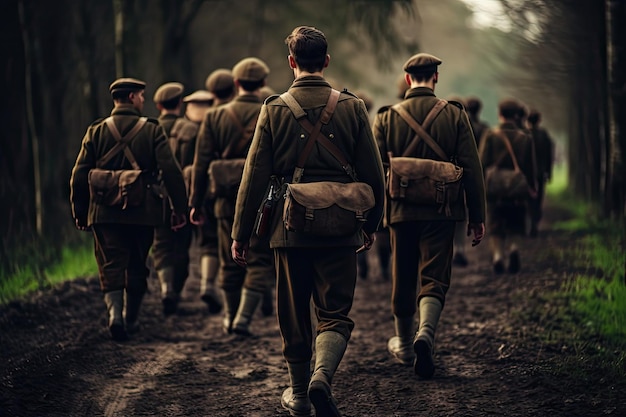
pixel 122 142
pixel 315 133
pixel 499 133
pixel 420 130
pixel 235 147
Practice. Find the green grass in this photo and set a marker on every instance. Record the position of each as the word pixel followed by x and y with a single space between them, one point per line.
pixel 73 262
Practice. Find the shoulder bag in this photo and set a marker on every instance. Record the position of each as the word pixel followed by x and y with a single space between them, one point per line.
pixel 124 187
pixel 225 174
pixel 506 183
pixel 424 181
pixel 324 208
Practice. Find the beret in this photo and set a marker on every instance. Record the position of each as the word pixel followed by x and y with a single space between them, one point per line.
pixel 250 69
pixel 199 96
pixel 167 92
pixel 421 63
pixel 127 84
pixel 220 79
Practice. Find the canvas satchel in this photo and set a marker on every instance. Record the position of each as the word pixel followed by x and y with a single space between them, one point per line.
pixel 506 183
pixel 124 187
pixel 420 180
pixel 224 173
pixel 324 208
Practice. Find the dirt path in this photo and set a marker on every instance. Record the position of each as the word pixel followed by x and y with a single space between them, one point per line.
pixel 57 359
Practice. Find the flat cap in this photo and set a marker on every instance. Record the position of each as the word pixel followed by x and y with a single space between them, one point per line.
pixel 127 84
pixel 199 96
pixel 167 92
pixel 421 63
pixel 250 69
pixel 220 79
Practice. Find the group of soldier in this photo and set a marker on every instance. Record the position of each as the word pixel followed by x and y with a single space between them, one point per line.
pixel 233 119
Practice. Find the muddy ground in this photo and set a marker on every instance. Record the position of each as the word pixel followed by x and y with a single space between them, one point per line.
pixel 500 352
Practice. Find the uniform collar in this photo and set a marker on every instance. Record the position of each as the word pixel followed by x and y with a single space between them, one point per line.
pixel 248 98
pixel 125 109
pixel 419 92
pixel 310 81
pixel 168 116
pixel 508 126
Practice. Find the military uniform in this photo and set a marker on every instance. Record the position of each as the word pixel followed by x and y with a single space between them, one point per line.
pixel 544 157
pixel 507 218
pixel 123 236
pixel 325 267
pixel 422 235
pixel 217 132
pixel 170 250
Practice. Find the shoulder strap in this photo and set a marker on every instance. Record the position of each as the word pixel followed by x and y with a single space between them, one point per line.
pixel 245 133
pixel 420 131
pixel 315 133
pixel 122 142
pixel 499 133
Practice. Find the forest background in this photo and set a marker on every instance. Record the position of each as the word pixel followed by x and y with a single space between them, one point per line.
pixel 563 57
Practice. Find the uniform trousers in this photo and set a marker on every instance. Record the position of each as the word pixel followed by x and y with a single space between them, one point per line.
pixel 421 258
pixel 260 262
pixel 121 251
pixel 206 234
pixel 171 249
pixel 328 275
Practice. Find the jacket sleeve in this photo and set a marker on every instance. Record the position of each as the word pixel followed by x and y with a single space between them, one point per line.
pixel 79 185
pixel 473 181
pixel 369 169
pixel 256 175
pixel 202 158
pixel 172 175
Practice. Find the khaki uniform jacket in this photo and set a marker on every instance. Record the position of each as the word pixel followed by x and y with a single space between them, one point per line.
pixel 544 151
pixel 278 141
pixel 183 135
pixel 216 131
pixel 152 152
pixel 493 150
pixel 167 121
pixel 452 131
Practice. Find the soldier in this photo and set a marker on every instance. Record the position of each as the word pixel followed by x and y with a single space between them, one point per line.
pixel 309 266
pixel 221 85
pixel 226 133
pixel 479 127
pixel 123 234
pixel 422 235
pixel 170 250
pixel 544 157
pixel 507 217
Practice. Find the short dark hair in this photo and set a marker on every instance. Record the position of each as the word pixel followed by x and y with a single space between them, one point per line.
pixel 122 95
pixel 420 77
pixel 225 92
pixel 508 108
pixel 534 117
pixel 251 85
pixel 474 105
pixel 308 47
pixel 172 103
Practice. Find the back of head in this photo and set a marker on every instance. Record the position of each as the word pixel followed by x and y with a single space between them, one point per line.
pixel 122 87
pixel 250 73
pixel 308 46
pixel 474 105
pixel 508 108
pixel 221 83
pixel 534 117
pixel 422 66
pixel 169 95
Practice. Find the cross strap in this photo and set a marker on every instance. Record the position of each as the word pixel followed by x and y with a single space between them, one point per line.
pixel 420 130
pixel 235 147
pixel 499 133
pixel 122 142
pixel 315 133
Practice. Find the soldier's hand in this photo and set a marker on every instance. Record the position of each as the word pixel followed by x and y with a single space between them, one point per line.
pixel 82 225
pixel 239 251
pixel 178 221
pixel 196 216
pixel 368 241
pixel 479 232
